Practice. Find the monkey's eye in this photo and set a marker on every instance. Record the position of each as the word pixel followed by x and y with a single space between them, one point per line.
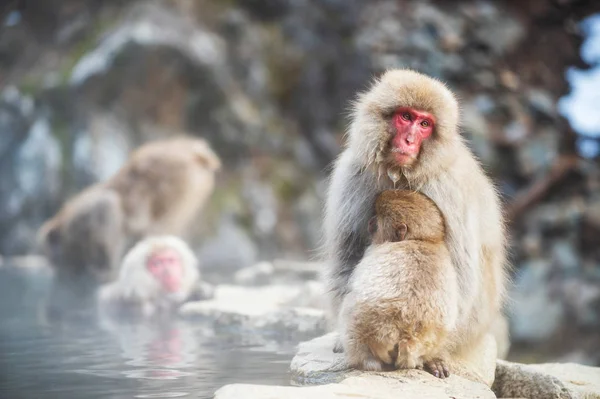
pixel 425 123
pixel 406 116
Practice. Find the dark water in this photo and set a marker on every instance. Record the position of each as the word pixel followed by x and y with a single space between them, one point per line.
pixel 100 360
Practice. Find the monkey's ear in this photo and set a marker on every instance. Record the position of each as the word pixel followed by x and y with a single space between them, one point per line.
pixel 53 238
pixel 49 234
pixel 388 113
pixel 373 225
pixel 402 230
pixel 49 240
pixel 207 157
pixel 210 162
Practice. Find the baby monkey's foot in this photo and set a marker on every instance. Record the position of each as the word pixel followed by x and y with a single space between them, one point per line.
pixel 437 367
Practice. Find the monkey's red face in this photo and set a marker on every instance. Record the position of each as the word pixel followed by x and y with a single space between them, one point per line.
pixel 412 127
pixel 166 266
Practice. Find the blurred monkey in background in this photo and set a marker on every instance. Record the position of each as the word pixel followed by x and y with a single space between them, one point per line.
pixel 160 190
pixel 157 275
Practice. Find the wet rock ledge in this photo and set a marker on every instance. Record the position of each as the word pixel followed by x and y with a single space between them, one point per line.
pixel 315 364
pixel 282 311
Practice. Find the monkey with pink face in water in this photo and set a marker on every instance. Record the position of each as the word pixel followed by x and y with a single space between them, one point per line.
pixel 161 189
pixel 157 275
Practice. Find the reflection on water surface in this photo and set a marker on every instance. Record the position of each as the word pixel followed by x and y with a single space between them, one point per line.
pixel 177 359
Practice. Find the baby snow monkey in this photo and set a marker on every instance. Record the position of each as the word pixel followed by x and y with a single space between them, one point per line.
pixel 402 307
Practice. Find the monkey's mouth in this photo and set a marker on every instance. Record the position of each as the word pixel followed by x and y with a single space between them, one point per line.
pixel 402 158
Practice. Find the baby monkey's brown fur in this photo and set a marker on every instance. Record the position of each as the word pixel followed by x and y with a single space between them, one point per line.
pixel 402 307
pixel 395 210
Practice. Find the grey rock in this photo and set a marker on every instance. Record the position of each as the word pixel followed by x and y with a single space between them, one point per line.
pixel 263 204
pixel 515 132
pixel 280 271
pixel 486 79
pixel 307 214
pixel 293 323
pixel 408 384
pixel 311 295
pixel 559 214
pixel 582 297
pixel 23 104
pixel 542 102
pixel 150 25
pixel 476 126
pixel 30 175
pixel 258 274
pixel 499 31
pixel 101 148
pixel 38 161
pixel 537 154
pixel 564 255
pixel 535 315
pixel 484 103
pixel 541 381
pixel 387 34
pixel 316 363
pixel 229 250
pixel 265 309
pixel 533 243
pixel 592 212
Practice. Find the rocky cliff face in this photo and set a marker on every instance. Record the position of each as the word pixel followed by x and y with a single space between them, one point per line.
pixel 268 83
